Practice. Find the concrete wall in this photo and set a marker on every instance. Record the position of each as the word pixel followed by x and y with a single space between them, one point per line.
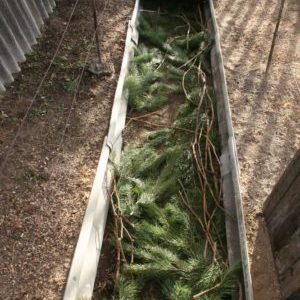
pixel 20 23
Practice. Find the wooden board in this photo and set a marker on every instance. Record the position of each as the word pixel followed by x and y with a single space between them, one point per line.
pixel 84 266
pixel 235 221
pixel 282 216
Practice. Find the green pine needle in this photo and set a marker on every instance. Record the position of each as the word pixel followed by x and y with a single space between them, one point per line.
pixel 171 257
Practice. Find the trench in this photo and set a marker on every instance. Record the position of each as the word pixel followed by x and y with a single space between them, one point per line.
pixel 165 237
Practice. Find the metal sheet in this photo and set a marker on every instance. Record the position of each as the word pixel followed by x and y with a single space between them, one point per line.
pixel 20 23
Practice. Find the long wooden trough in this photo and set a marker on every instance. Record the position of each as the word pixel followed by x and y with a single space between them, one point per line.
pixel 84 266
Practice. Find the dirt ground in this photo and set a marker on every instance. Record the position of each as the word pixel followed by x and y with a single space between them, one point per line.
pixel 49 172
pixel 265 113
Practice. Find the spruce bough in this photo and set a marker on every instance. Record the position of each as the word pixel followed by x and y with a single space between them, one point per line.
pixel 169 224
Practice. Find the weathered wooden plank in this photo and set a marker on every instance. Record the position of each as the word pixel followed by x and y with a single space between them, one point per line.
pixel 282 216
pixel 84 266
pixel 283 185
pixel 290 284
pixel 282 209
pixel 235 223
pixel 288 256
pixel 285 219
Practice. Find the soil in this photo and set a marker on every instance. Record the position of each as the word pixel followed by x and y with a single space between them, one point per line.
pixel 265 112
pixel 47 178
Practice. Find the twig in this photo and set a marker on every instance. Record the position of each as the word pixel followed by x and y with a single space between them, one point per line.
pixel 185 202
pixel 96 30
pixel 216 231
pixel 202 163
pixel 120 220
pixel 131 245
pixel 118 215
pixel 153 11
pixel 201 18
pixel 207 291
pixel 190 60
pixel 274 38
pixel 145 115
pixel 195 145
pixel 185 19
pixel 122 251
pixel 163 126
pixel 183 79
pixel 118 250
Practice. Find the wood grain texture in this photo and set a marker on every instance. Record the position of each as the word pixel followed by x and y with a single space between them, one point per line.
pixel 282 216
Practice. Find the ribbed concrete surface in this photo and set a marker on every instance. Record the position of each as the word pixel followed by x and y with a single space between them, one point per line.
pixel 20 22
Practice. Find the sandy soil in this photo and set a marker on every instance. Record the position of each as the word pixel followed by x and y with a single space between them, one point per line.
pixel 48 176
pixel 265 113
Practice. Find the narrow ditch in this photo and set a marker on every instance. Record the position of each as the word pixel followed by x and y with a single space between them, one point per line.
pixel 165 235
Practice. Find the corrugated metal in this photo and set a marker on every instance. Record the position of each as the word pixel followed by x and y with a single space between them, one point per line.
pixel 20 23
